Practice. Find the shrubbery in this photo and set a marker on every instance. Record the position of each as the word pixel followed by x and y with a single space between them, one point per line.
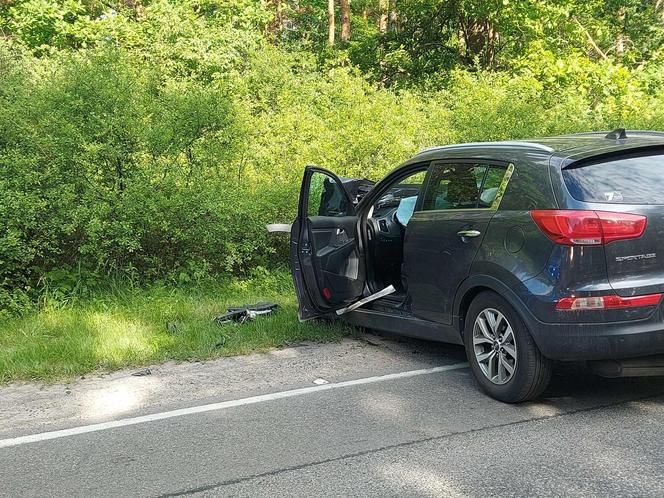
pixel 158 148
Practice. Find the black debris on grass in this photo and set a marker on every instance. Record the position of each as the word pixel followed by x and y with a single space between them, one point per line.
pixel 242 314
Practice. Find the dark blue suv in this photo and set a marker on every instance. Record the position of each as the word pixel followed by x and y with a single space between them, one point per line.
pixel 524 251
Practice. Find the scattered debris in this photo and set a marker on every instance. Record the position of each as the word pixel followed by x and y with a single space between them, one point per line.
pixel 247 312
pixel 142 373
pixel 320 382
pixel 278 227
pixel 171 327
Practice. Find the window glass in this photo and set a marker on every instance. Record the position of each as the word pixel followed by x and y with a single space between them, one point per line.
pixel 494 177
pixel 327 197
pixel 454 186
pixel 627 180
pixel 402 196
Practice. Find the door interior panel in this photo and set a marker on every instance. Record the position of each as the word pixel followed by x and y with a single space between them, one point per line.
pixel 336 253
pixel 325 257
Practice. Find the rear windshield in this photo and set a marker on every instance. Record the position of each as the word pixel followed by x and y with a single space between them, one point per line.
pixel 627 180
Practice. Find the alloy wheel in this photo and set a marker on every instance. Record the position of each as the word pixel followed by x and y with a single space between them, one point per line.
pixel 495 346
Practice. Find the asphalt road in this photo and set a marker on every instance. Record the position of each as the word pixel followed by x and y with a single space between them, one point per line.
pixel 431 434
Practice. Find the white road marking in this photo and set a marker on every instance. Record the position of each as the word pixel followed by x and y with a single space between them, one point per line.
pixel 44 436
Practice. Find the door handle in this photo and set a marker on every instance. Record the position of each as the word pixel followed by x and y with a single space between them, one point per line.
pixel 469 233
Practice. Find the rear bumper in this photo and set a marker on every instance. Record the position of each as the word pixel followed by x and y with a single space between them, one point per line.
pixel 578 335
pixel 599 341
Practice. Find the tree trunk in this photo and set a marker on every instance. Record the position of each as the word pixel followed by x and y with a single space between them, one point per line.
pixel 345 20
pixel 659 9
pixel 276 23
pixel 119 176
pixel 620 39
pixel 383 8
pixel 330 22
pixel 392 19
pixel 491 39
pixel 266 26
pixel 279 17
pixel 478 37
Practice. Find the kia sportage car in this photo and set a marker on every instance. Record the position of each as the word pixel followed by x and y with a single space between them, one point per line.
pixel 525 252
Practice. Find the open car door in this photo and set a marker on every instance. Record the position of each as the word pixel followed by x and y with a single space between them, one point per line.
pixel 327 268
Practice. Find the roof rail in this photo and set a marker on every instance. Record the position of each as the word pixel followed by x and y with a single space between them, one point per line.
pixel 627 133
pixel 654 133
pixel 516 143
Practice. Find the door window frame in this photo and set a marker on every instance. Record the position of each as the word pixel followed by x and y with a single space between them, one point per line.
pixel 364 206
pixel 303 208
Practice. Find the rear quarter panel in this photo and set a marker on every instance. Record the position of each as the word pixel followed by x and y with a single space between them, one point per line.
pixel 514 250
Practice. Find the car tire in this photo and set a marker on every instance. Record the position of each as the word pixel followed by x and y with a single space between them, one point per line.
pixel 512 348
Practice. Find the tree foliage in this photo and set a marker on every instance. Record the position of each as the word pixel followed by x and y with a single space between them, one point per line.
pixel 154 140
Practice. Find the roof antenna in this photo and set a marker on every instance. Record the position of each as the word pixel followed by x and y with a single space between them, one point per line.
pixel 617 134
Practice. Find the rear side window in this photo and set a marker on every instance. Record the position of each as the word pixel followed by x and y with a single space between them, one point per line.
pixel 462 186
pixel 626 180
pixel 491 187
pixel 453 186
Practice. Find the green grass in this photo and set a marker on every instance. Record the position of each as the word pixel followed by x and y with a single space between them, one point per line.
pixel 127 328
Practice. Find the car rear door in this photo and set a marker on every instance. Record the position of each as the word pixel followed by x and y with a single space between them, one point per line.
pixel 326 263
pixel 446 232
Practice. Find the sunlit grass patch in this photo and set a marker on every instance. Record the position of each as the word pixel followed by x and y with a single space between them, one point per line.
pixel 128 327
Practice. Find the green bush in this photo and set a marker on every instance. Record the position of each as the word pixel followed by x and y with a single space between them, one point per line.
pixel 154 144
pixel 109 167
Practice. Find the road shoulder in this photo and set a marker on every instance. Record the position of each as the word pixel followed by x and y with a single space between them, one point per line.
pixel 27 408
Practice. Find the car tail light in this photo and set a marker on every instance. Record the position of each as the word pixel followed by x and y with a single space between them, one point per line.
pixel 606 302
pixel 570 227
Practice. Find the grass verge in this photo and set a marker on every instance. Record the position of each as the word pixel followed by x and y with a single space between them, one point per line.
pixel 127 328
